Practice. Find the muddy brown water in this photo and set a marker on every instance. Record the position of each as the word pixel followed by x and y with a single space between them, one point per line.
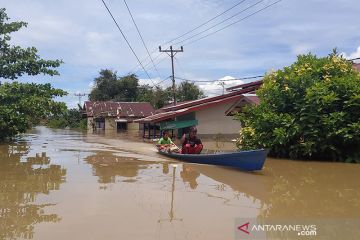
pixel 61 184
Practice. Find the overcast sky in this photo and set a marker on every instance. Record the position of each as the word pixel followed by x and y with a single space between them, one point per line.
pixel 83 35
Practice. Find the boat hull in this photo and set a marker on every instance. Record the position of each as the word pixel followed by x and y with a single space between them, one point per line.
pixel 245 160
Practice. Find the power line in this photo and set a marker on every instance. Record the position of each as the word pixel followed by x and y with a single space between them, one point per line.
pixel 180 65
pixel 242 19
pixel 158 84
pixel 227 19
pixel 145 60
pixel 163 80
pixel 157 63
pixel 127 41
pixel 142 39
pixel 192 30
pixel 233 23
pixel 219 80
pixel 206 22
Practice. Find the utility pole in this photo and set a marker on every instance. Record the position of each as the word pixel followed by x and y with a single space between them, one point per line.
pixel 172 54
pixel 80 95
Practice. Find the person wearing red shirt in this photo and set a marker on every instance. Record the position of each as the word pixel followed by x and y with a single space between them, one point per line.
pixel 191 144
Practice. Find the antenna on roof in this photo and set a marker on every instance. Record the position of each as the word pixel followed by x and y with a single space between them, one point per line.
pixel 222 84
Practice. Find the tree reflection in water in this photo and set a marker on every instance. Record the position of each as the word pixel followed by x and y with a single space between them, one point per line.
pixel 22 179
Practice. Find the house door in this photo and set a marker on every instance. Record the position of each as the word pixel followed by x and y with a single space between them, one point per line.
pixel 100 123
pixel 121 126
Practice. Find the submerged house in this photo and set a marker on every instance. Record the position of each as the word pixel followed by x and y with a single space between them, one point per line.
pixel 213 115
pixel 108 115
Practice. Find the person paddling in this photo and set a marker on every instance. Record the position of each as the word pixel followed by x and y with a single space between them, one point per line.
pixel 191 144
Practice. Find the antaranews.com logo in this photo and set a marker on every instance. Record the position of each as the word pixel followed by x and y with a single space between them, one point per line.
pixel 301 230
pixel 336 228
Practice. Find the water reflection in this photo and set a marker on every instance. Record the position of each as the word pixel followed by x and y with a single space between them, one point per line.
pixel 287 189
pixel 189 175
pixel 253 186
pixel 171 213
pixel 312 189
pixel 108 166
pixel 22 179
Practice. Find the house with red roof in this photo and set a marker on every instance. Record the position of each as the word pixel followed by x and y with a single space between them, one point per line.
pixel 212 115
pixel 109 115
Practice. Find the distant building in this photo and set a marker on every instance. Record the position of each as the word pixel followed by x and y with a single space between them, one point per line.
pixel 108 115
pixel 356 66
pixel 213 115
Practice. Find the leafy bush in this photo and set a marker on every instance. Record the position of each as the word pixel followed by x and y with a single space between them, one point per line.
pixel 83 124
pixel 57 123
pixel 71 118
pixel 309 110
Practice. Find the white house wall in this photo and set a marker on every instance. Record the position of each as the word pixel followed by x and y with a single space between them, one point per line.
pixel 212 120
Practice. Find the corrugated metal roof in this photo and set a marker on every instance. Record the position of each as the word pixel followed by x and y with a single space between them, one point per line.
pixel 211 99
pixel 119 109
pixel 245 85
pixel 172 114
pixel 252 99
pixel 170 105
pixel 157 117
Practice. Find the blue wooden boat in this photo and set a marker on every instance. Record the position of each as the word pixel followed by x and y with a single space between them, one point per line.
pixel 252 160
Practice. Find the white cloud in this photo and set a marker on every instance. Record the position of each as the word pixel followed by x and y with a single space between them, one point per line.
pixel 151 81
pixel 302 48
pixel 216 87
pixel 352 55
pixel 230 82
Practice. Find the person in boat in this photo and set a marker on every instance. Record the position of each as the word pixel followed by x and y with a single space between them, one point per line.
pixel 165 143
pixel 191 144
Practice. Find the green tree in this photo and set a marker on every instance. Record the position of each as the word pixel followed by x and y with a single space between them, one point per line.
pixel 156 96
pixel 108 86
pixel 16 61
pixel 105 86
pixel 128 86
pixel 23 104
pixel 162 96
pixel 309 110
pixel 188 91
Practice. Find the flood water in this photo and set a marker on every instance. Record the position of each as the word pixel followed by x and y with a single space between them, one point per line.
pixel 61 184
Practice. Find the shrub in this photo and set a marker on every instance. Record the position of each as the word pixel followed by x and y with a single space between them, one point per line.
pixel 309 110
